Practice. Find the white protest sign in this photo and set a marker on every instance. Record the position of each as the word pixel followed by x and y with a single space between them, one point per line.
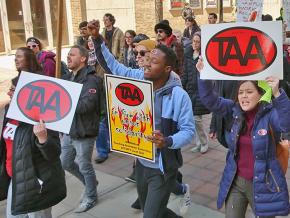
pixel 286 9
pixel 249 10
pixel 41 97
pixel 242 51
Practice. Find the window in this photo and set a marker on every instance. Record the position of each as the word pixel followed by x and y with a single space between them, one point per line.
pixel 177 3
pixel 195 4
pixel 211 3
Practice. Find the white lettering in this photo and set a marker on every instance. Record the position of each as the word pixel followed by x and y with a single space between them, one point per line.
pixel 9 131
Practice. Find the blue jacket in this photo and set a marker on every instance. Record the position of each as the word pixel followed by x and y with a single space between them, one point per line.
pixel 172 108
pixel 270 192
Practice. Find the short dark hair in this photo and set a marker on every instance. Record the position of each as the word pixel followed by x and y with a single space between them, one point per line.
pixel 83 24
pixel 111 17
pixel 83 52
pixel 170 56
pixel 213 14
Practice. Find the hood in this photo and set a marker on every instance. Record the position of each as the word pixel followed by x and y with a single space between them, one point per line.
pixel 47 54
pixel 174 80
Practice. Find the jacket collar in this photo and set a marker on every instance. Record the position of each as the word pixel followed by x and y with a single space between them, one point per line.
pixel 83 72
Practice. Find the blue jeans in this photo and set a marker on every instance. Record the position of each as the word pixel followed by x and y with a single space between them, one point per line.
pixel 76 156
pixel 103 141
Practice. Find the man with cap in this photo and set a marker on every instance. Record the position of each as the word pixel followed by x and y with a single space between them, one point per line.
pixel 164 36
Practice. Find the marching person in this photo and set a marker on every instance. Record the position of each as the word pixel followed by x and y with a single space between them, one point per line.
pixel 174 125
pixel 31 175
pixel 164 36
pixel 77 146
pixel 252 174
pixel 189 80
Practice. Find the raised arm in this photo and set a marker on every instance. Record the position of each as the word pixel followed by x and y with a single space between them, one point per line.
pixel 108 61
pixel 210 97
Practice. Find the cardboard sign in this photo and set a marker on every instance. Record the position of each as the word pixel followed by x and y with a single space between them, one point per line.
pixel 242 51
pixel 249 10
pixel 130 115
pixel 41 97
pixel 286 9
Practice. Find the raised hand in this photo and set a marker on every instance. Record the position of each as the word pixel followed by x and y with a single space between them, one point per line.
pixel 94 28
pixel 273 82
pixel 200 64
pixel 40 132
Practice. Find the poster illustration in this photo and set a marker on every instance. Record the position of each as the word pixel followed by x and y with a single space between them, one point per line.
pixel 130 115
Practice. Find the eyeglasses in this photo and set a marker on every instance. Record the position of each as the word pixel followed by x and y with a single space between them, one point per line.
pixel 160 31
pixel 142 53
pixel 32 46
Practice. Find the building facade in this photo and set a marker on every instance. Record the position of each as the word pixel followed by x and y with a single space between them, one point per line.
pixel 20 19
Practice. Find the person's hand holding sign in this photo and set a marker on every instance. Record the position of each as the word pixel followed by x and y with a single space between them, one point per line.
pixel 200 64
pixel 157 138
pixel 273 82
pixel 40 132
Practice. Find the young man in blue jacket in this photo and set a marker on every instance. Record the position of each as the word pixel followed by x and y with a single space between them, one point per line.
pixel 174 124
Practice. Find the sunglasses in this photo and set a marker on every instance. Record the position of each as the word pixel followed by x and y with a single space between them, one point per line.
pixel 142 53
pixel 32 46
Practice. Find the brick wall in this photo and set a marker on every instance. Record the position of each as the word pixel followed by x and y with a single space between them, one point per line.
pixel 145 16
pixel 78 14
pixel 177 22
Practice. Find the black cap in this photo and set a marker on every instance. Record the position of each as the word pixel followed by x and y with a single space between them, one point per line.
pixel 164 25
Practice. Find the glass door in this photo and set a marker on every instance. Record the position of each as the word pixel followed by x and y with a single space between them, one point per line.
pixel 38 21
pixel 17 30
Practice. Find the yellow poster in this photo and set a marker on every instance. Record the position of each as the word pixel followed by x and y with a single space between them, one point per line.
pixel 130 115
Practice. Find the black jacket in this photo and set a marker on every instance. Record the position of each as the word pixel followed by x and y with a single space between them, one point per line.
pixel 87 115
pixel 194 29
pixel 190 84
pixel 32 162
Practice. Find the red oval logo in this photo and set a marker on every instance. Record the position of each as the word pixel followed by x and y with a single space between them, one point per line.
pixel 240 51
pixel 44 99
pixel 129 94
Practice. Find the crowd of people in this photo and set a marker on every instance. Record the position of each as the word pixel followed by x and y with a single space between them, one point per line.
pixel 33 159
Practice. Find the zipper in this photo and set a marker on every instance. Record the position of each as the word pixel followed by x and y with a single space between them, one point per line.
pixel 274 179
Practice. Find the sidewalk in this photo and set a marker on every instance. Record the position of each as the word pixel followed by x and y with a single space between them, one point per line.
pixel 115 197
pixel 201 172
